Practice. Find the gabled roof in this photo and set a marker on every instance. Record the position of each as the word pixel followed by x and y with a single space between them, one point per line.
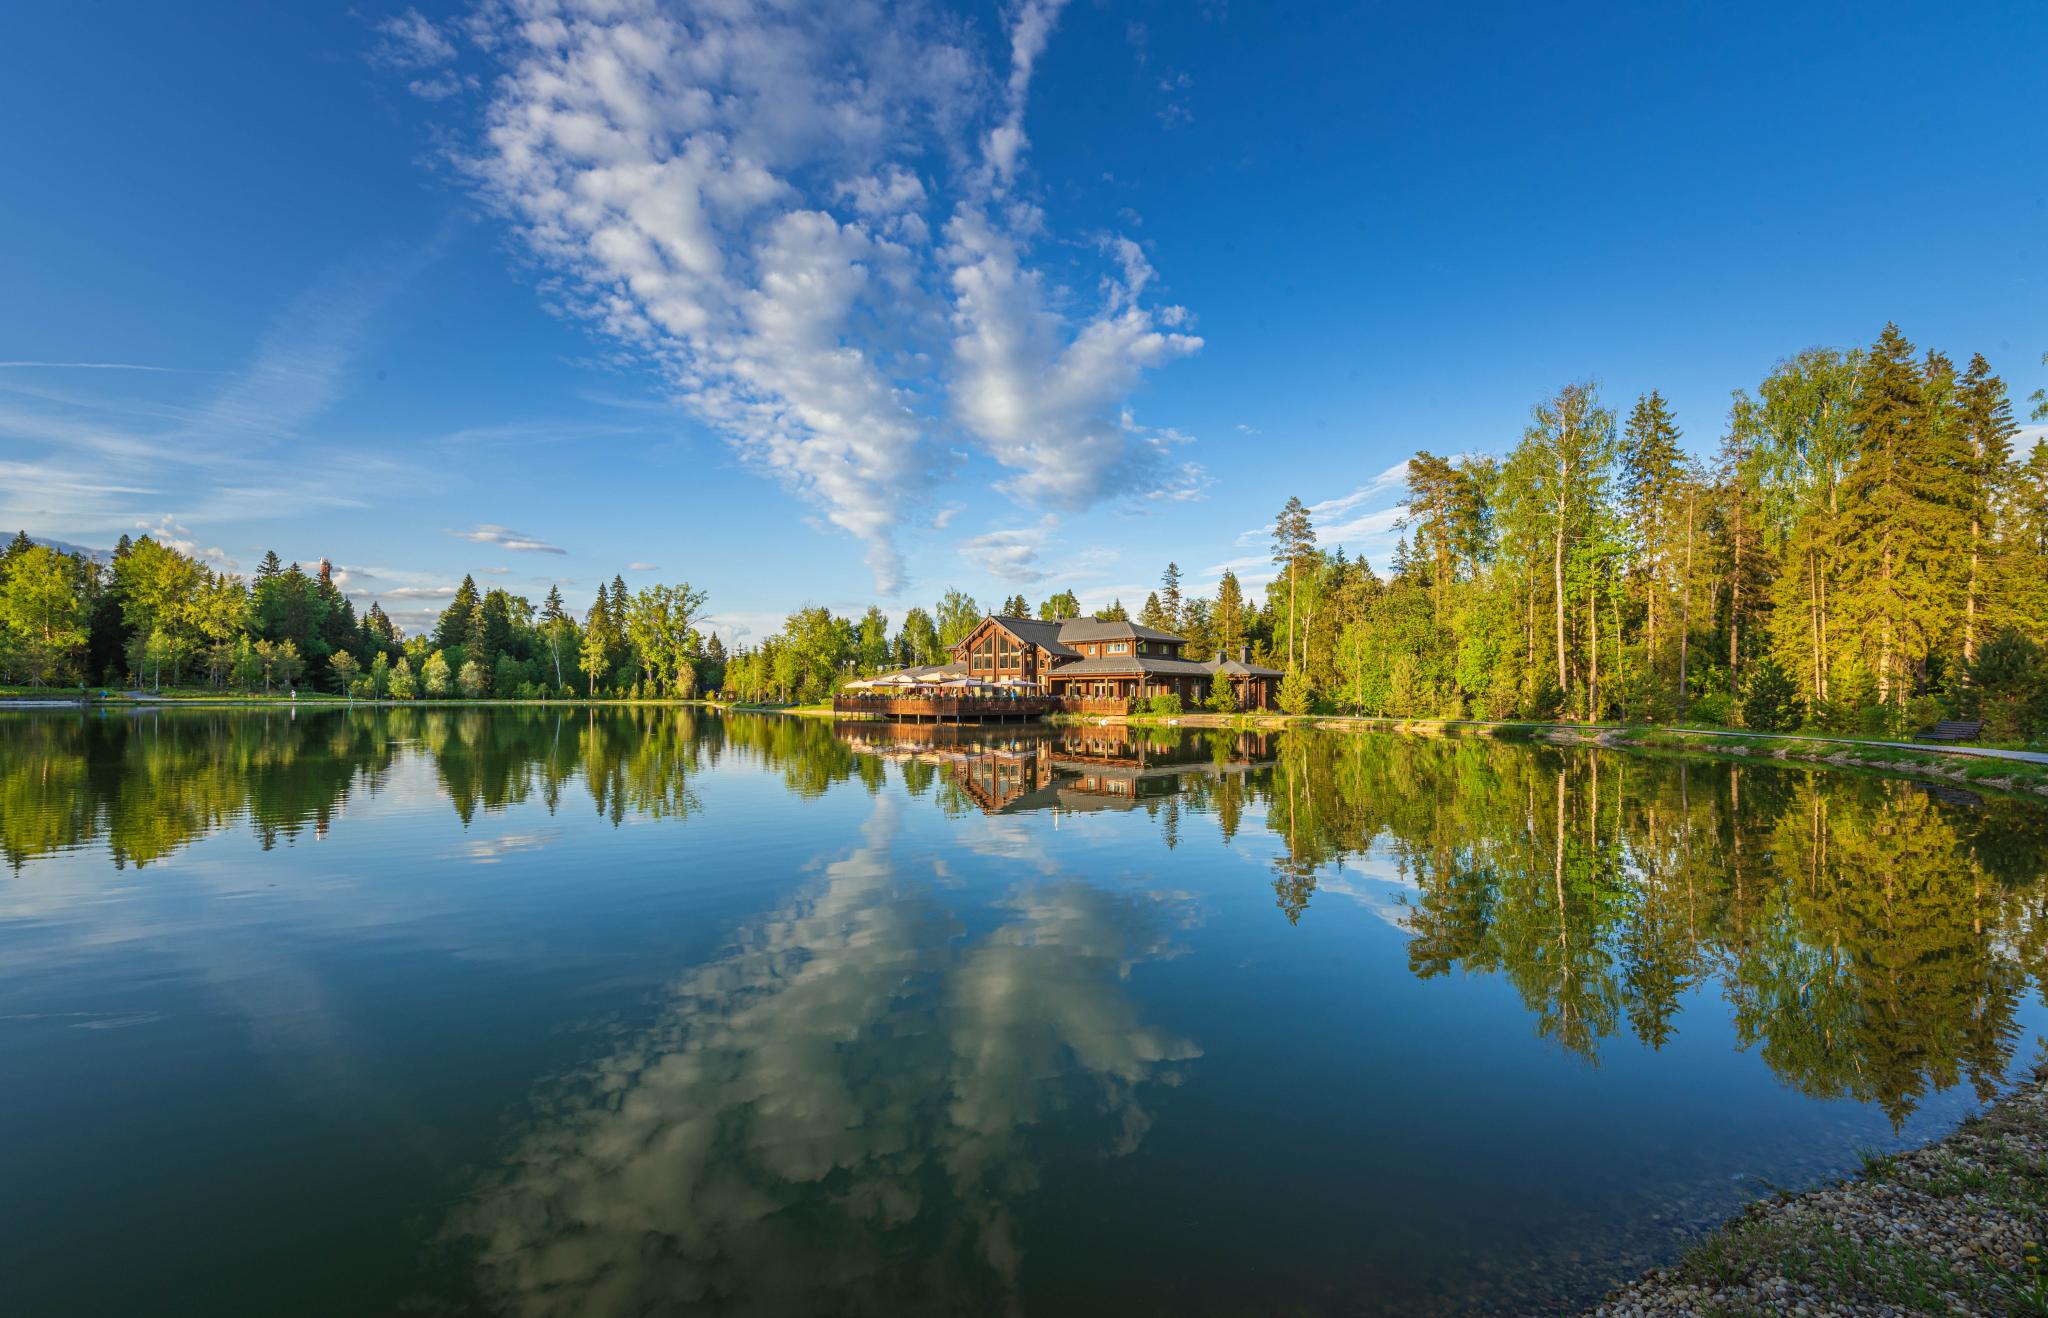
pixel 1032 631
pixel 1238 668
pixel 1109 629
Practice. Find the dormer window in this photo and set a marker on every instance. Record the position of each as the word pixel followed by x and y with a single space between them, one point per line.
pixel 1119 647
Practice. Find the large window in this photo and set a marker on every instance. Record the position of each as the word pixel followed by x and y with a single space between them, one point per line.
pixel 1119 647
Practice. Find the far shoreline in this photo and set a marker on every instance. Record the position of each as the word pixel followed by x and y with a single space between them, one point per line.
pixel 1982 767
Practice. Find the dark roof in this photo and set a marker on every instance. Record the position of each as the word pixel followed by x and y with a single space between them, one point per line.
pixel 1045 635
pixel 1238 668
pixel 1126 664
pixel 1106 629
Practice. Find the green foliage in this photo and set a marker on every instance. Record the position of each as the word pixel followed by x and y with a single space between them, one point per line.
pixel 1294 695
pixel 1164 704
pixel 345 668
pixel 1222 694
pixel 2007 687
pixel 1770 698
pixel 435 678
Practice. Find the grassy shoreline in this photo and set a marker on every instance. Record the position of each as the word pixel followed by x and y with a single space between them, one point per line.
pixel 1955 1226
pixel 1960 765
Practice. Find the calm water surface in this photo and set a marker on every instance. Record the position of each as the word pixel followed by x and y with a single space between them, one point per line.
pixel 596 1013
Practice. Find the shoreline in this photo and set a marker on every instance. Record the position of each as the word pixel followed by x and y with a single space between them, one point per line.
pixel 1987 767
pixel 1954 1226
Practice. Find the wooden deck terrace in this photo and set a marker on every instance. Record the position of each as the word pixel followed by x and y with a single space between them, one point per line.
pixel 946 709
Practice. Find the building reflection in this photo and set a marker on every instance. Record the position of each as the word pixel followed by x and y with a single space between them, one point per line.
pixel 1108 767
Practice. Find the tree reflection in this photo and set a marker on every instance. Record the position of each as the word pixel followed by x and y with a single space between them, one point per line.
pixel 1873 937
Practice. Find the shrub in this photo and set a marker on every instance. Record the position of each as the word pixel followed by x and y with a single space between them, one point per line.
pixel 2008 687
pixel 1222 695
pixel 1770 698
pixel 1715 707
pixel 1294 693
pixel 1166 704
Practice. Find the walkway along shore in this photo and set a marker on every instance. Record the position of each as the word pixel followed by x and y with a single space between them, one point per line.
pixel 1954 1227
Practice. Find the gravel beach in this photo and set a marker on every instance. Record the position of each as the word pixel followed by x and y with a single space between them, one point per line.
pixel 1956 1227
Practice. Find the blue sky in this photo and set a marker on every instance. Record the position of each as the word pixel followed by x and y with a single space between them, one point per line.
pixel 811 304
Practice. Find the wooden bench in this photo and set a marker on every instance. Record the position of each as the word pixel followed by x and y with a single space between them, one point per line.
pixel 1951 730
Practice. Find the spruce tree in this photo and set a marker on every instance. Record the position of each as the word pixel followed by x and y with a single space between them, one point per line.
pixel 1906 514
pixel 1988 428
pixel 1652 472
pixel 456 620
pixel 1170 606
pixel 1227 622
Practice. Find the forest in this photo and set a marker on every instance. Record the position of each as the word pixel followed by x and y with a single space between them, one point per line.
pixel 1863 551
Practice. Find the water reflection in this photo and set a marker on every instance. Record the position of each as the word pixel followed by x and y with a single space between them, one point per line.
pixel 1003 769
pixel 1870 938
pixel 1873 938
pixel 840 1113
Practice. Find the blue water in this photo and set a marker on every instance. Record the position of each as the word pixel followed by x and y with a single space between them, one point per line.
pixel 653 1011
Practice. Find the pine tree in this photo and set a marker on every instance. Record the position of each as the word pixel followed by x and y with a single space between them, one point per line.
pixel 1294 537
pixel 1114 613
pixel 269 567
pixel 1154 613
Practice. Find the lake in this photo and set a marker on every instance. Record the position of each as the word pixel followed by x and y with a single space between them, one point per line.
pixel 624 1011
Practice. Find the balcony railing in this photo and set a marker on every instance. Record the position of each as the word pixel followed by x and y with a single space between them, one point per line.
pixel 1095 705
pixel 942 707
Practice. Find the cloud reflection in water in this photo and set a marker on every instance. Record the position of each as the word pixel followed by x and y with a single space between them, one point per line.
pixel 842 1113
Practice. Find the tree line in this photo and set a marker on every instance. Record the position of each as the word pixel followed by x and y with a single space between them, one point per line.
pixel 152 616
pixel 1862 552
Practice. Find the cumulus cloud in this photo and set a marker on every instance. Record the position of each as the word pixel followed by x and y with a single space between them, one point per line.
pixel 1013 554
pixel 411 41
pixel 171 535
pixel 757 1141
pixel 505 537
pixel 808 219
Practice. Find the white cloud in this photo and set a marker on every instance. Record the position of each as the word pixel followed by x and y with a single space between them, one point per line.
pixel 1013 554
pixel 1336 518
pixel 411 41
pixel 504 536
pixel 745 195
pixel 169 534
pixel 643 567
pixel 421 593
pixel 99 366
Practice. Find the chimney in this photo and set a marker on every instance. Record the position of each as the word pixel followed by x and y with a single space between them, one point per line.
pixel 1244 654
pixel 1219 654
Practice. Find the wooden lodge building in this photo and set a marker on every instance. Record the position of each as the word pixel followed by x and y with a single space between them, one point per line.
pixel 1084 665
